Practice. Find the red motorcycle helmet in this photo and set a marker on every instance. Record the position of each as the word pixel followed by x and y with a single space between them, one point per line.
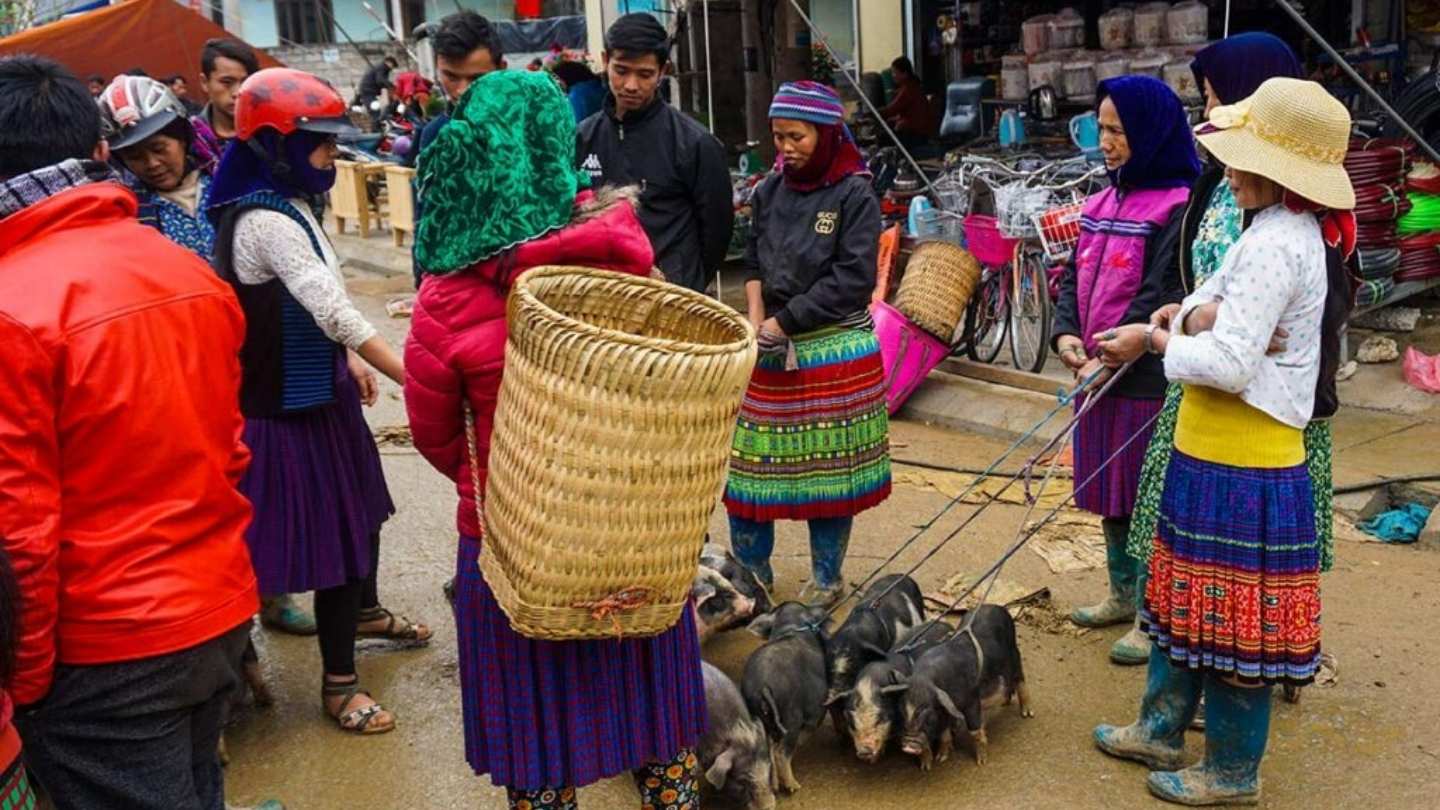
pixel 287 100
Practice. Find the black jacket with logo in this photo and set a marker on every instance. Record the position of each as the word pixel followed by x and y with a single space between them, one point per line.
pixel 814 252
pixel 686 199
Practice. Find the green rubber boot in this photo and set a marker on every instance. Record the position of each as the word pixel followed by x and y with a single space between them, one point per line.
pixel 1237 729
pixel 1119 607
pixel 1133 648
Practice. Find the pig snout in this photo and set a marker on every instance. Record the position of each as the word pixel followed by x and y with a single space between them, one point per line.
pixel 744 607
pixel 915 746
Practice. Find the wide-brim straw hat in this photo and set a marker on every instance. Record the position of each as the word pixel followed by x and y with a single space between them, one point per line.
pixel 1290 131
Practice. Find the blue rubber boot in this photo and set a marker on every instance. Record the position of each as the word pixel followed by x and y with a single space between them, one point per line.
pixel 753 542
pixel 829 539
pixel 1237 727
pixel 1157 738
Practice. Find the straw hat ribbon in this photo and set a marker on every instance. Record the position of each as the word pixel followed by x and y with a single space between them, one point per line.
pixel 1290 131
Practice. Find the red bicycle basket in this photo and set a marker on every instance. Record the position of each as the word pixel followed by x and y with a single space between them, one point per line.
pixel 1059 231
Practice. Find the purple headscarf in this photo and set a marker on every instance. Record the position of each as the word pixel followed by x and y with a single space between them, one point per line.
pixel 1237 66
pixel 285 170
pixel 1162 148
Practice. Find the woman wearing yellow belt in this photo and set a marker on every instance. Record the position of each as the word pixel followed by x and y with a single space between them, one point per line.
pixel 1233 601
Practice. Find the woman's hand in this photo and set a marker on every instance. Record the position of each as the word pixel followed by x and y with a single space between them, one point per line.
pixel 1072 351
pixel 1164 315
pixel 1201 318
pixel 1122 344
pixel 1092 366
pixel 771 333
pixel 1277 341
pixel 364 378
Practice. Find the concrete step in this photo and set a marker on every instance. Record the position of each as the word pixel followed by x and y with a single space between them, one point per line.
pixel 961 403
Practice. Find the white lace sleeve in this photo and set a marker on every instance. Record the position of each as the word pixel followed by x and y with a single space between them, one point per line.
pixel 270 245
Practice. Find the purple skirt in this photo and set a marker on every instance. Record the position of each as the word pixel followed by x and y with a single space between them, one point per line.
pixel 555 714
pixel 1113 420
pixel 318 492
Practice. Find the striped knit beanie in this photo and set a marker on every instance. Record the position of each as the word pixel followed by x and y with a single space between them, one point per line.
pixel 808 101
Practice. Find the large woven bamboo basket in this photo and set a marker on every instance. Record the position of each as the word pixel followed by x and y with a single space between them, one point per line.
pixel 610 448
pixel 937 284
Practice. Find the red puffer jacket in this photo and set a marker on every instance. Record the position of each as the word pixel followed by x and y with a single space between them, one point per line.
pixel 457 333
pixel 120 439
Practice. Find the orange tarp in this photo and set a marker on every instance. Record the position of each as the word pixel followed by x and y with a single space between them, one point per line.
pixel 160 37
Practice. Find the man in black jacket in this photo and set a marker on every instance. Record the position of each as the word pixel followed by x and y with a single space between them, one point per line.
pixel 637 139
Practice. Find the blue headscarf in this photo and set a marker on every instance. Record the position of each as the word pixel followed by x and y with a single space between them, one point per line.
pixel 1162 148
pixel 1237 66
pixel 242 172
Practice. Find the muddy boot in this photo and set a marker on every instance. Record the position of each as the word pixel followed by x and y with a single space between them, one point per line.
pixel 752 543
pixel 1236 731
pixel 829 540
pixel 281 613
pixel 1133 648
pixel 1124 570
pixel 1157 738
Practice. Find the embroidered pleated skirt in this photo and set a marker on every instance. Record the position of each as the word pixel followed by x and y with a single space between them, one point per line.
pixel 318 493
pixel 813 441
pixel 1235 571
pixel 555 714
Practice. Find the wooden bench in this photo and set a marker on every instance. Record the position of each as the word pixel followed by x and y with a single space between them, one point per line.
pixel 350 198
pixel 401 191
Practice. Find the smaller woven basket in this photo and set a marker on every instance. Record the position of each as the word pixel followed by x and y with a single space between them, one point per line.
pixel 610 448
pixel 937 284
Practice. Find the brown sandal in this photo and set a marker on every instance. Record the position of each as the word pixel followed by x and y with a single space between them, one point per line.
pixel 397 628
pixel 359 721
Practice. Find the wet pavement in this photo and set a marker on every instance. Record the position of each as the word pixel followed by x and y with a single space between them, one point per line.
pixel 1371 738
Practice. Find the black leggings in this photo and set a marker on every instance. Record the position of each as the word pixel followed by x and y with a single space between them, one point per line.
pixel 337 612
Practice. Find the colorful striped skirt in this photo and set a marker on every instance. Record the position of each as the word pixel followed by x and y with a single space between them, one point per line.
pixel 318 493
pixel 1319 452
pixel 814 441
pixel 15 790
pixel 556 714
pixel 1109 490
pixel 1234 582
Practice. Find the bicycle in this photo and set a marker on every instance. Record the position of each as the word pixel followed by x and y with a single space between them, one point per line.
pixel 1018 246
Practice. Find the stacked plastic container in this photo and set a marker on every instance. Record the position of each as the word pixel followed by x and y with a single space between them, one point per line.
pixel 1155 39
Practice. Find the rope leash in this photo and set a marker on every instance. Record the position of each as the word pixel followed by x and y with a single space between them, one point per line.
pixel 1062 436
pixel 992 573
pixel 1064 399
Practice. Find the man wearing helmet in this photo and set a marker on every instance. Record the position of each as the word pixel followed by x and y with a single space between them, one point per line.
pixel 315 480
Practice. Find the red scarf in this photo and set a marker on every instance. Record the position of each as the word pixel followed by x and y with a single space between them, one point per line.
pixel 1336 227
pixel 834 159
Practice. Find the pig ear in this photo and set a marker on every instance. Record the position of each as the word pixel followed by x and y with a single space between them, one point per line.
pixel 946 703
pixel 763 626
pixel 894 688
pixel 720 770
pixel 702 590
pixel 839 696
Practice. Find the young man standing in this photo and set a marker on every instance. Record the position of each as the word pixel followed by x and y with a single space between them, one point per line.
pixel 466 47
pixel 120 452
pixel 375 81
pixel 637 139
pixel 224 66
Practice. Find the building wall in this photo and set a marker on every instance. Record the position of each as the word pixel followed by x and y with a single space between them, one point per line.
pixel 341 65
pixel 882 34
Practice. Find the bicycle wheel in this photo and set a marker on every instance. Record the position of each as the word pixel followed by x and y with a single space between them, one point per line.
pixel 987 318
pixel 1030 312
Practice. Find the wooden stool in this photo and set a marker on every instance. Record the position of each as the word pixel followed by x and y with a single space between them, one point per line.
pixel 401 193
pixel 350 197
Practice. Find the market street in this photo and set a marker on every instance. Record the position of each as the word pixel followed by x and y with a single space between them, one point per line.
pixel 1369 738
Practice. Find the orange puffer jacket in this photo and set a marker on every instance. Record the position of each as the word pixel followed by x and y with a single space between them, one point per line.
pixel 119 438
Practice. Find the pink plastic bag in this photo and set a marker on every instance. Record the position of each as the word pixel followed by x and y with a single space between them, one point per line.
pixel 1422 371
pixel 908 352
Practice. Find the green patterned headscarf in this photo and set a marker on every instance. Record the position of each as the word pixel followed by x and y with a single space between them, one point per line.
pixel 500 173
